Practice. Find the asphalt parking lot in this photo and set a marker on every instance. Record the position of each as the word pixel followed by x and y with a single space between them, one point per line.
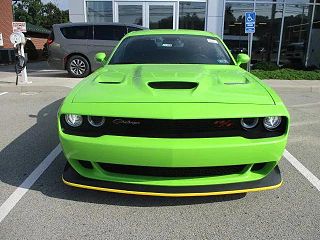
pixel 52 210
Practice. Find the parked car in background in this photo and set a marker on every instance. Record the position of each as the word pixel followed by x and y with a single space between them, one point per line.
pixel 72 46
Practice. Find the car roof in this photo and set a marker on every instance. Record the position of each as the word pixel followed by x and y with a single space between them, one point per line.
pixel 89 24
pixel 171 31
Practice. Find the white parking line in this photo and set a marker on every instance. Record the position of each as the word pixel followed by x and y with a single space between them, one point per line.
pixel 50 70
pixel 15 197
pixel 303 170
pixel 3 93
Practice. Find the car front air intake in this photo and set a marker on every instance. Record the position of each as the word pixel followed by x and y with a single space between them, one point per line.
pixel 173 85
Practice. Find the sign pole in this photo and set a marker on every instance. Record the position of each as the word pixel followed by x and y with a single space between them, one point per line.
pixel 24 71
pixel 18 40
pixel 249 52
pixel 250 28
pixel 250 42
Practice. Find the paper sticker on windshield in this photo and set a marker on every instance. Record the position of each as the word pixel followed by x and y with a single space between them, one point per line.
pixel 212 41
pixel 223 61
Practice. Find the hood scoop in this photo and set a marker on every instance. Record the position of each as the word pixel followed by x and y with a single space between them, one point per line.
pixel 233 78
pixel 110 77
pixel 173 85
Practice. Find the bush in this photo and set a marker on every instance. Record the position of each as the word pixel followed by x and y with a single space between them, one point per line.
pixel 287 74
pixel 266 66
pixel 31 50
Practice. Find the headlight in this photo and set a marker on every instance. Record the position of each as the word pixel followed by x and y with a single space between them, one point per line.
pixel 271 123
pixel 96 121
pixel 73 120
pixel 249 123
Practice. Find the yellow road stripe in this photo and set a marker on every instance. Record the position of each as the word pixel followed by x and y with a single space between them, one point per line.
pixel 203 194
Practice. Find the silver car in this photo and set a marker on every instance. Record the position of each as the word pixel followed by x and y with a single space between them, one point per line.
pixel 72 46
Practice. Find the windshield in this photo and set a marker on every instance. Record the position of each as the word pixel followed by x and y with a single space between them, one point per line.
pixel 171 49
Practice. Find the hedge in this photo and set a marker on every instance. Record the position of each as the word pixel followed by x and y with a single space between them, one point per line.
pixel 287 74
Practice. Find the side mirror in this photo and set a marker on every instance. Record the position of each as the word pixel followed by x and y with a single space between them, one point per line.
pixel 242 58
pixel 101 57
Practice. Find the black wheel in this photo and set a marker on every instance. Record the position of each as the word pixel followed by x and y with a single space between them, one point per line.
pixel 78 66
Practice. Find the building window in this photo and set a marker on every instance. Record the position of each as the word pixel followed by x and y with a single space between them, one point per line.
pixel 234 27
pixel 265 48
pixel 99 11
pixel 296 35
pixel 130 14
pixel 314 50
pixel 161 16
pixel 192 15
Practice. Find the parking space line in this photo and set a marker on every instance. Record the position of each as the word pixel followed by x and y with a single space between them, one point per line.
pixel 15 197
pixel 3 93
pixel 302 169
pixel 50 70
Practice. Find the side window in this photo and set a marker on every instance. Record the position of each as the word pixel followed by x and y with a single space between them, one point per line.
pixel 131 29
pixel 77 32
pixel 109 32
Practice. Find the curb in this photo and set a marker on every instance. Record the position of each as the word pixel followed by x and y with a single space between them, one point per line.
pixel 29 88
pixel 298 88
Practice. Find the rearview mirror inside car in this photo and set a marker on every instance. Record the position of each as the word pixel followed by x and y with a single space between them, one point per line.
pixel 101 57
pixel 242 58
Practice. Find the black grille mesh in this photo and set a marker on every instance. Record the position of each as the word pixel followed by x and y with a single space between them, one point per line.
pixel 173 171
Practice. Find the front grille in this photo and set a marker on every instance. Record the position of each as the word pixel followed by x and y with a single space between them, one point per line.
pixel 172 171
pixel 170 128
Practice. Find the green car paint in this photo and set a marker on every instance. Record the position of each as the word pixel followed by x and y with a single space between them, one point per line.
pixel 221 92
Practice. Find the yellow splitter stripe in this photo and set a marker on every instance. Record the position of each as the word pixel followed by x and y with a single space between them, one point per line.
pixel 203 194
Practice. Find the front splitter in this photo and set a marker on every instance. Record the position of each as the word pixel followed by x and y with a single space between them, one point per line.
pixel 74 179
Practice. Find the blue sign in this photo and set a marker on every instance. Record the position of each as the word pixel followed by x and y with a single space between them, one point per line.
pixel 250 22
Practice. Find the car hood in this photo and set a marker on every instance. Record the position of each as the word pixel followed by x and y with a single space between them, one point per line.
pixel 172 83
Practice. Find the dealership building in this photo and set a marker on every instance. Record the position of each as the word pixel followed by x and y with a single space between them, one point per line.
pixel 287 31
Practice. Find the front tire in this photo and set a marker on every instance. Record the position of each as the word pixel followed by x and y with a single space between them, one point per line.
pixel 78 66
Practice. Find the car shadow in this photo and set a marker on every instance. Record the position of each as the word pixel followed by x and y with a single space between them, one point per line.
pixel 53 74
pixel 26 152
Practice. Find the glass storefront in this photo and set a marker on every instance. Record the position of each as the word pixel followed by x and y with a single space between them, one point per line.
pixel 161 15
pixel 99 11
pixel 150 14
pixel 313 47
pixel 296 34
pixel 130 14
pixel 286 31
pixel 192 15
pixel 234 27
pixel 267 35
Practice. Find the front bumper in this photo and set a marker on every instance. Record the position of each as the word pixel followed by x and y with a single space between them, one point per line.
pixel 172 153
pixel 74 179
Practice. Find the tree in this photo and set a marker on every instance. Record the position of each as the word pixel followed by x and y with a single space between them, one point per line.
pixel 51 14
pixel 37 13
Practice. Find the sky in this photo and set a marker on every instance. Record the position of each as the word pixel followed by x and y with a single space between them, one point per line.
pixel 62 4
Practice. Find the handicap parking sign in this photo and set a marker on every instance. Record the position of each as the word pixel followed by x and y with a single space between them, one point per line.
pixel 250 22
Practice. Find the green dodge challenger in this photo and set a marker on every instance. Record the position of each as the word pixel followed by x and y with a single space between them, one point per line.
pixel 171 113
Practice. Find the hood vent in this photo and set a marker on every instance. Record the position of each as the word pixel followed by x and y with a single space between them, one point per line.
pixel 173 85
pixel 110 82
